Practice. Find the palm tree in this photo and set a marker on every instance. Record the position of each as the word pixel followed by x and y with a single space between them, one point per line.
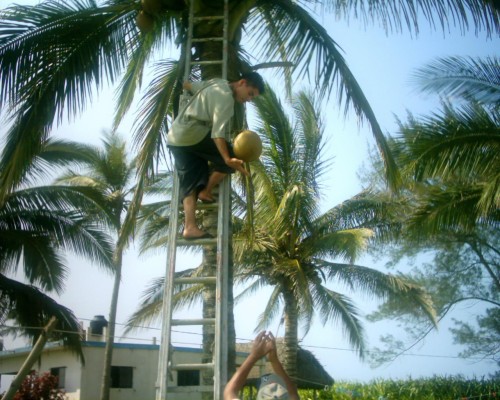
pixel 108 174
pixel 452 156
pixel 450 165
pixel 288 244
pixel 38 225
pixel 295 248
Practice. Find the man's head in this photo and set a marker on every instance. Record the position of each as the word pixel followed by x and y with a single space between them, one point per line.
pixel 249 86
pixel 272 387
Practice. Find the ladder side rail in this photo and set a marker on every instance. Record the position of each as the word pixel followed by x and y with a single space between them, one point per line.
pixel 221 310
pixel 164 353
pixel 189 44
pixel 225 43
pixel 163 356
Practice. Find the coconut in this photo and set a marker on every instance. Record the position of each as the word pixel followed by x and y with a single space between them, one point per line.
pixel 152 7
pixel 145 22
pixel 247 146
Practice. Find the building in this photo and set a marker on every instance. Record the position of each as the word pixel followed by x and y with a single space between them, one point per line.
pixel 134 367
pixel 133 371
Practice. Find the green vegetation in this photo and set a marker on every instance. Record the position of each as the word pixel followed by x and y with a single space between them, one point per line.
pixel 436 388
pixel 449 161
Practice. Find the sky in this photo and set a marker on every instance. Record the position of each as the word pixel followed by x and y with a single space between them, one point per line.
pixel 382 65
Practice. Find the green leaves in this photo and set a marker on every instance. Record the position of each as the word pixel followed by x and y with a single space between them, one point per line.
pixel 52 57
pixel 293 244
pixel 462 78
pixel 32 309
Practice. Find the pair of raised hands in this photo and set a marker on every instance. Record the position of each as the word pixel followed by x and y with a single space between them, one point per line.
pixel 264 345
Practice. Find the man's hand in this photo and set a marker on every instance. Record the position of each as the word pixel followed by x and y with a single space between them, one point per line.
pixel 272 355
pixel 261 345
pixel 234 163
pixel 237 164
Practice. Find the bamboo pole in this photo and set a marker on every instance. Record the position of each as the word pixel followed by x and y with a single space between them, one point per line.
pixel 32 357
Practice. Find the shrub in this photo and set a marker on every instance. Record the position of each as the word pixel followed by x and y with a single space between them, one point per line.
pixel 39 387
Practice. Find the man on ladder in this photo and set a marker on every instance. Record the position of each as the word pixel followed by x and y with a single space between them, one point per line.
pixel 198 136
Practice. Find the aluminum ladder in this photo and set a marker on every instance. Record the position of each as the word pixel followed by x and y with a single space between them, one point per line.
pixel 220 353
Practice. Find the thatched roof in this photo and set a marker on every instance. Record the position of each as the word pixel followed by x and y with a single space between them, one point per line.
pixel 311 374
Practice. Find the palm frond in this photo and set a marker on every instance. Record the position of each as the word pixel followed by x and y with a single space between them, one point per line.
pixel 462 77
pixel 153 225
pixel 150 306
pixel 305 39
pixel 51 57
pixel 452 208
pixel 395 15
pixel 31 310
pixel 270 311
pixel 150 132
pixel 149 311
pixel 49 212
pixel 333 306
pixel 378 212
pixel 142 49
pixel 379 284
pixel 346 244
pixel 451 144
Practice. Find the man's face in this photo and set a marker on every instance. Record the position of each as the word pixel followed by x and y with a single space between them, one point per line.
pixel 244 92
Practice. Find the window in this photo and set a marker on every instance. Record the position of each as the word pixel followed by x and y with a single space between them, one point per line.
pixel 60 372
pixel 188 378
pixel 121 377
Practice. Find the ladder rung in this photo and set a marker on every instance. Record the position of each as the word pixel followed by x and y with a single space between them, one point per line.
pixel 209 280
pixel 206 62
pixel 208 18
pixel 184 367
pixel 190 389
pixel 195 321
pixel 197 242
pixel 207 206
pixel 210 39
pixel 203 206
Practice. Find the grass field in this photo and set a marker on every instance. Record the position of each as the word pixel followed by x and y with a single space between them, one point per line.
pixel 436 388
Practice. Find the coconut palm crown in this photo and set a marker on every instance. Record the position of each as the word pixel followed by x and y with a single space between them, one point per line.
pixel 39 225
pixel 295 248
pixel 452 155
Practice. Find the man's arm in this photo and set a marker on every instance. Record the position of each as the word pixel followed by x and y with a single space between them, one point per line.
pixel 278 369
pixel 232 162
pixel 259 349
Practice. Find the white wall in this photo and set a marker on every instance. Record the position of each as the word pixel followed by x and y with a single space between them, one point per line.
pixel 50 358
pixel 84 382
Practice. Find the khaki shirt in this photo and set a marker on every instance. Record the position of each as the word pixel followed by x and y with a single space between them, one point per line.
pixel 210 109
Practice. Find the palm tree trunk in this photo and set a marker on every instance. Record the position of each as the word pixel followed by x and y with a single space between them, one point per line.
pixel 110 332
pixel 291 335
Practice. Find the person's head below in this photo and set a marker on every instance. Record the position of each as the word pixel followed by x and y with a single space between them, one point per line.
pixel 272 387
pixel 248 87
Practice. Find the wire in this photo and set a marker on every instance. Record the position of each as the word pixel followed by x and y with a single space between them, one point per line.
pixel 250 340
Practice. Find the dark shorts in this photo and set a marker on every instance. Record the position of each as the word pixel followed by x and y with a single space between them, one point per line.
pixel 193 164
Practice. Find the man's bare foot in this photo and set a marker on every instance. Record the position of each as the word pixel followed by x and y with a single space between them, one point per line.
pixel 205 196
pixel 195 233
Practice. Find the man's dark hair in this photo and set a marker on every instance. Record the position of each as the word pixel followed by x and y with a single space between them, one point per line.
pixel 254 79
